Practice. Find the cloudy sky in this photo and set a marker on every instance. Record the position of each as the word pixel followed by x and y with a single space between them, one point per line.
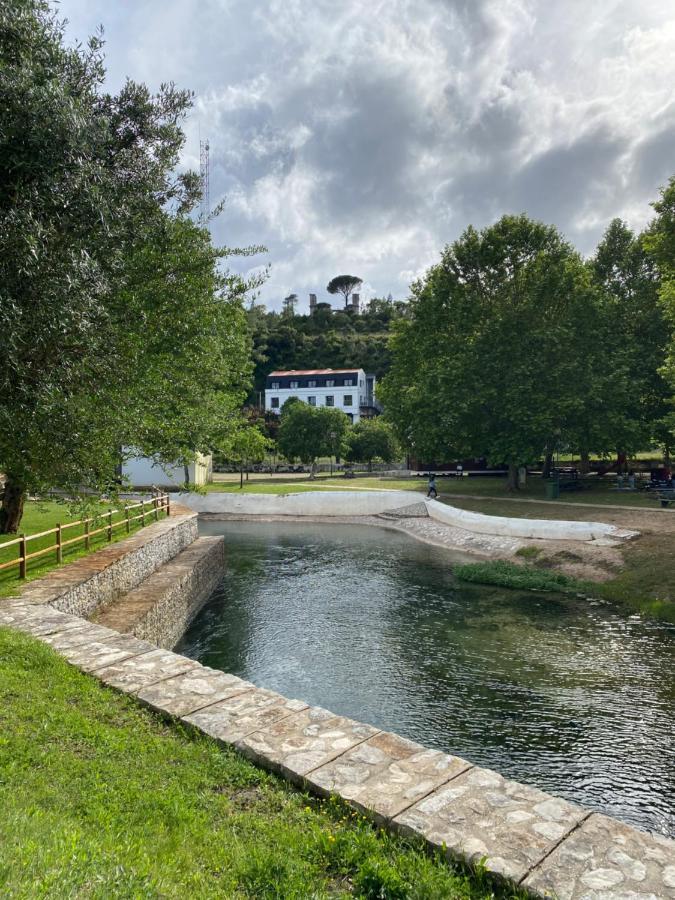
pixel 360 136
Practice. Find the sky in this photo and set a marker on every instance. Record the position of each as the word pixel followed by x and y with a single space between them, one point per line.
pixel 360 137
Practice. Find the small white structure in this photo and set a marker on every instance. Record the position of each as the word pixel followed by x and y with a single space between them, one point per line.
pixel 350 390
pixel 146 471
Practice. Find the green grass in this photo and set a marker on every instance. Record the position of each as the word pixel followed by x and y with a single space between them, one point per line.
pixel 41 515
pixel 510 575
pixel 601 493
pixel 102 799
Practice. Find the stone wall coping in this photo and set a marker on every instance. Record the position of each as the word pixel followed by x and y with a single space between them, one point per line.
pixel 57 583
pixel 522 835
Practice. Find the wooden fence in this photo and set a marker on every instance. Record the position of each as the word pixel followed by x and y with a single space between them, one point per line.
pixel 151 508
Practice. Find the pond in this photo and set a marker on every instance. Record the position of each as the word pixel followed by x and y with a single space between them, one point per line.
pixel 563 693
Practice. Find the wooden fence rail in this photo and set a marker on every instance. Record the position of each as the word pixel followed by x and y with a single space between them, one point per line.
pixel 155 507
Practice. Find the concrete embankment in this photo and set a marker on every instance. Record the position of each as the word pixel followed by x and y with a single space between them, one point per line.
pixel 338 504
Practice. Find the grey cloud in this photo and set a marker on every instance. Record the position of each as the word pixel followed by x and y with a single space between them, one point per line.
pixel 366 136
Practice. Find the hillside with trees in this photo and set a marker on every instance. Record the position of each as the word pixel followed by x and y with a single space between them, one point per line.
pixel 329 338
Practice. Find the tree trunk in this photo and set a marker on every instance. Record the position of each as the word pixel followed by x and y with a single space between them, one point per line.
pixel 621 462
pixel 11 510
pixel 312 471
pixel 186 475
pixel 241 477
pixel 584 462
pixel 512 478
pixel 548 465
pixel 666 455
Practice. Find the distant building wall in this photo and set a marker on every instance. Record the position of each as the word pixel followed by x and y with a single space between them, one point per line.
pixel 145 471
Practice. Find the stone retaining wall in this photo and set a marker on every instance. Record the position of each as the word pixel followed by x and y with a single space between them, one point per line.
pixel 161 608
pixel 94 581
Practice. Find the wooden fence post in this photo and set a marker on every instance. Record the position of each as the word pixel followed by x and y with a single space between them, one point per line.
pixel 126 513
pixel 59 548
pixel 22 557
pixel 86 534
pixel 155 503
pixel 168 506
pixel 110 524
pixel 142 512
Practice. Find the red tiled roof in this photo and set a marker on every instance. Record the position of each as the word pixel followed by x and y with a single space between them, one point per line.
pixel 313 372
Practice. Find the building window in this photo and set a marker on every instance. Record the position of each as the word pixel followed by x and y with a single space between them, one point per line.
pixel 274 402
pixel 330 383
pixel 275 385
pixel 348 400
pixel 311 401
pixel 295 384
pixel 311 384
pixel 330 400
pixel 349 382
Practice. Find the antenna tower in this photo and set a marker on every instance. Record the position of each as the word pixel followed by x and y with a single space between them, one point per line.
pixel 205 205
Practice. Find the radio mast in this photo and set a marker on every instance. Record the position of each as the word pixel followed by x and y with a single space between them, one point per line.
pixel 205 206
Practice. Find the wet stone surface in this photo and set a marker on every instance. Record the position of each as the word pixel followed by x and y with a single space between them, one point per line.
pixel 138 672
pixel 386 774
pixel 193 690
pixel 481 815
pixel 301 742
pixel 230 720
pixel 604 858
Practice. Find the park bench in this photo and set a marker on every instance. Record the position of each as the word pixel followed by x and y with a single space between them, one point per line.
pixel 666 496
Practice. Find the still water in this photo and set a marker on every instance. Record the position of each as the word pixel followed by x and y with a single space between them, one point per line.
pixel 562 693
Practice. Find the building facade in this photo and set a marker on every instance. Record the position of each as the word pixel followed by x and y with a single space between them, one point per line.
pixel 350 390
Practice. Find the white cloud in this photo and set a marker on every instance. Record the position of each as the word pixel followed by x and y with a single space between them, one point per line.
pixel 363 137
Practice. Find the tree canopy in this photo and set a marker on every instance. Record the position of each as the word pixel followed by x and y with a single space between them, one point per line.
pixel 497 357
pixel 117 327
pixel 308 432
pixel 372 439
pixel 345 285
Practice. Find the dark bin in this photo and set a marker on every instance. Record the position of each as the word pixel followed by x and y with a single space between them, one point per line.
pixel 552 489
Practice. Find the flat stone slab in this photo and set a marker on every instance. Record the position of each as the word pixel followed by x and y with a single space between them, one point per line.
pixel 605 858
pixel 482 816
pixel 230 720
pixel 135 673
pixel 302 742
pixel 85 633
pixel 97 655
pixel 36 620
pixel 386 774
pixel 193 690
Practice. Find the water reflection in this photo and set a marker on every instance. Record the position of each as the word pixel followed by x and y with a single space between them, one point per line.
pixel 557 692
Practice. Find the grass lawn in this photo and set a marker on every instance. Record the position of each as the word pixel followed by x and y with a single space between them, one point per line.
pixel 101 798
pixel 601 494
pixel 42 515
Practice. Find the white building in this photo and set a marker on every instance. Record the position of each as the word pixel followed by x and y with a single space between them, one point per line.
pixel 146 471
pixel 350 390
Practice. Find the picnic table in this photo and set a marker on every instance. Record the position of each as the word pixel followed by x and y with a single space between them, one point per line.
pixel 666 496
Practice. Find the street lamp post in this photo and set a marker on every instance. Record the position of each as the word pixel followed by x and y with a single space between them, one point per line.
pixel 332 437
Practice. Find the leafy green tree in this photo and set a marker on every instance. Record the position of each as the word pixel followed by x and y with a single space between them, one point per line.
pixel 111 301
pixel 247 446
pixel 629 413
pixel 345 285
pixel 659 241
pixel 372 439
pixel 308 432
pixel 488 362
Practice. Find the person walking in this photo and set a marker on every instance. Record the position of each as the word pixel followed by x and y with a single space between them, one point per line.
pixel 432 493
